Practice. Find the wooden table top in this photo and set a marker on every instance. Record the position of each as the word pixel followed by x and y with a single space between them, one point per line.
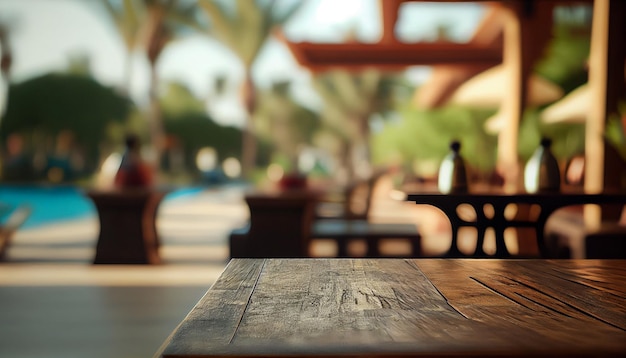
pixel 409 307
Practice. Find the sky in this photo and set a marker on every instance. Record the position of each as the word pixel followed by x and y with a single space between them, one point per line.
pixel 45 33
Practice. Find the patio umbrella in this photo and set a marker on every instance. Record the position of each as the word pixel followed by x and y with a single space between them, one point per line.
pixel 487 89
pixel 495 123
pixel 572 108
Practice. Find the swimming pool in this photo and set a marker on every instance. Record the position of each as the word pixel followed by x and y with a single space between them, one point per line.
pixel 51 204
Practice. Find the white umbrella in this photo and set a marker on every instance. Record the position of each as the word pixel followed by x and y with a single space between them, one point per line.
pixel 488 88
pixel 495 123
pixel 573 108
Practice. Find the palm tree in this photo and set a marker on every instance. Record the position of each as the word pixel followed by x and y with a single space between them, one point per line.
pixel 128 19
pixel 244 31
pixel 350 100
pixel 285 123
pixel 153 24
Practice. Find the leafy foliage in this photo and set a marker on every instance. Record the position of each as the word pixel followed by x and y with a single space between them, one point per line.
pixel 127 17
pixel 284 123
pixel 351 102
pixel 53 103
pixel 243 26
pixel 565 62
pixel 422 137
pixel 425 135
pixel 185 120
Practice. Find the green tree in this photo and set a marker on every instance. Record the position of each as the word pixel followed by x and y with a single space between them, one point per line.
pixel 243 26
pixel 47 105
pixel 350 101
pixel 128 17
pixel 285 123
pixel 190 129
pixel 152 25
pixel 565 62
pixel 421 138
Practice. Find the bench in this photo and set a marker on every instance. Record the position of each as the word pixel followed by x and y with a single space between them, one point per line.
pixel 282 224
pixel 342 231
pixel 352 221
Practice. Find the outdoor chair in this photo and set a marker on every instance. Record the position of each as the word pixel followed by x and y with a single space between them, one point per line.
pixel 347 220
pixel 352 203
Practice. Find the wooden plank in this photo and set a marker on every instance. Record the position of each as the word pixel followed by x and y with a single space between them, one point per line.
pixel 424 307
pixel 214 320
pixel 397 56
pixel 605 276
pixel 361 306
pixel 536 301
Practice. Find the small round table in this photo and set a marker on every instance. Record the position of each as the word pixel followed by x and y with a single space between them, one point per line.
pixel 128 232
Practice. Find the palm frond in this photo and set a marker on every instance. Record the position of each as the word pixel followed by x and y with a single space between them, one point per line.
pixel 222 25
pixel 131 22
pixel 184 17
pixel 370 82
pixel 249 13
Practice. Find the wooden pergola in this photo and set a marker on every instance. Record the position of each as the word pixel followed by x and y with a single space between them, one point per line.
pixel 514 35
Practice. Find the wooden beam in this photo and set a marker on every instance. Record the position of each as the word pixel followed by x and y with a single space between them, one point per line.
pixel 354 56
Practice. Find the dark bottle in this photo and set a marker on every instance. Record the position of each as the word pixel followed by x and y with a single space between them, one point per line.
pixel 133 171
pixel 542 170
pixel 452 172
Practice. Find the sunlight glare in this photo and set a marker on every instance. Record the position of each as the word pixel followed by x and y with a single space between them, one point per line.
pixel 338 11
pixel 206 159
pixel 231 167
pixel 275 172
pixel 108 170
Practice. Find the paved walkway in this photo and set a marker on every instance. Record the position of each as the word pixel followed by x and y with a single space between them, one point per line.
pixel 54 303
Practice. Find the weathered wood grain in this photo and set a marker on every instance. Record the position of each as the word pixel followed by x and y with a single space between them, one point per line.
pixel 544 298
pixel 214 320
pixel 409 307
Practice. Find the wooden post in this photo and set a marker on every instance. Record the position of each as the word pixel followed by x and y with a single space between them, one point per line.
pixel 512 106
pixel 389 16
pixel 606 81
pixel 527 29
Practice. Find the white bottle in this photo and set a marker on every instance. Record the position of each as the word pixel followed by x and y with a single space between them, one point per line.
pixel 542 170
pixel 452 173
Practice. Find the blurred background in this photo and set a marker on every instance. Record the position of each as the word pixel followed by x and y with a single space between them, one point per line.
pixel 216 94
pixel 227 95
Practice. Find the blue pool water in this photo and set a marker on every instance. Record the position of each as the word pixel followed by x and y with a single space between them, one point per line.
pixel 60 203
